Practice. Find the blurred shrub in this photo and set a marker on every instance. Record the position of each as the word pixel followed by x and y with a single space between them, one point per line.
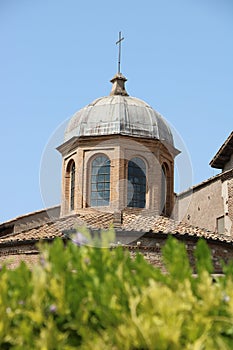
pixel 81 297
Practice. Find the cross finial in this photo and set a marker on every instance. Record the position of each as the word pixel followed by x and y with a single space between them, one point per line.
pixel 119 53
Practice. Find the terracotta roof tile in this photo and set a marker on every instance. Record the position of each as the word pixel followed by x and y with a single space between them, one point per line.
pixel 102 220
pixel 162 224
pixel 224 153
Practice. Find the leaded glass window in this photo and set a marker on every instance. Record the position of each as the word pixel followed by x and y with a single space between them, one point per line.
pixel 163 190
pixel 72 186
pixel 136 183
pixel 100 181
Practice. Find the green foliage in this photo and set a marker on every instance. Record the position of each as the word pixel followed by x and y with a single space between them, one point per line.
pixel 203 258
pixel 91 298
pixel 176 261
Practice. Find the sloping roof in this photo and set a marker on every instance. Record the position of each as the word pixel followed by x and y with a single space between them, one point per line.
pixel 94 219
pixel 224 153
pixel 29 220
pixel 226 175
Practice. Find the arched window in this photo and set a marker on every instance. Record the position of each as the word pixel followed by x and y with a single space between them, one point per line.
pixel 72 185
pixel 136 183
pixel 163 190
pixel 100 181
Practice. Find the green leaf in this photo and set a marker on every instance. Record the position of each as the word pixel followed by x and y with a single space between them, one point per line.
pixel 203 257
pixel 176 259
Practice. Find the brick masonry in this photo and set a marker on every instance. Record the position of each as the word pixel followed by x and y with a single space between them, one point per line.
pixel 119 149
pixel 13 255
pixel 220 251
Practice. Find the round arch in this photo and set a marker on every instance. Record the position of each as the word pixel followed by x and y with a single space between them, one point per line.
pixel 136 191
pixel 100 166
pixel 70 184
pixel 165 202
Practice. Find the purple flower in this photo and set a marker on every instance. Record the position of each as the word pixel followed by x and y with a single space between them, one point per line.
pixel 79 239
pixel 42 260
pixel 53 308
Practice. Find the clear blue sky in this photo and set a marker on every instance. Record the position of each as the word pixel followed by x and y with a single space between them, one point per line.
pixel 57 56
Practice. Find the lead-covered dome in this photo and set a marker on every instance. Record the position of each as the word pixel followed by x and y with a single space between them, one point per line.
pixel 119 114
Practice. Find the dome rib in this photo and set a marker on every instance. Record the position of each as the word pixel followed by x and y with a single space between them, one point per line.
pixel 117 114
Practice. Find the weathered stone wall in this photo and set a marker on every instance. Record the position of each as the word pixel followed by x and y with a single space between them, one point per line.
pixel 29 221
pixel 202 206
pixel 207 202
pixel 13 255
pixel 37 218
pixel 230 203
pixel 229 164
pixel 220 251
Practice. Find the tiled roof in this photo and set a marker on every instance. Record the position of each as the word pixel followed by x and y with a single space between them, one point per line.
pixel 48 230
pixel 160 224
pixel 51 211
pixel 131 222
pixel 224 153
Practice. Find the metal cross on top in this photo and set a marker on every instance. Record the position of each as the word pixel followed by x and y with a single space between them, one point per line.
pixel 119 54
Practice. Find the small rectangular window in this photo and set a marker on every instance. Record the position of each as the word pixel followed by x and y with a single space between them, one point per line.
pixel 220 225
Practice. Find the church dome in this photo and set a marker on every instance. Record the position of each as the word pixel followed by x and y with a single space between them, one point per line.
pixel 121 114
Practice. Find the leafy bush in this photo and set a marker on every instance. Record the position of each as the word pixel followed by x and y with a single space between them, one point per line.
pixel 91 298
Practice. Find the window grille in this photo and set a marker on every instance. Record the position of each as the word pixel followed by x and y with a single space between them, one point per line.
pixel 100 181
pixel 136 183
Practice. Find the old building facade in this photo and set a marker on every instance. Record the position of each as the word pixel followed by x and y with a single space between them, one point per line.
pixel 118 160
pixel 210 203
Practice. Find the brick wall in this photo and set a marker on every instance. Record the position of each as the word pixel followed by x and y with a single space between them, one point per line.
pixel 202 206
pixel 119 150
pixel 220 251
pixel 13 255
